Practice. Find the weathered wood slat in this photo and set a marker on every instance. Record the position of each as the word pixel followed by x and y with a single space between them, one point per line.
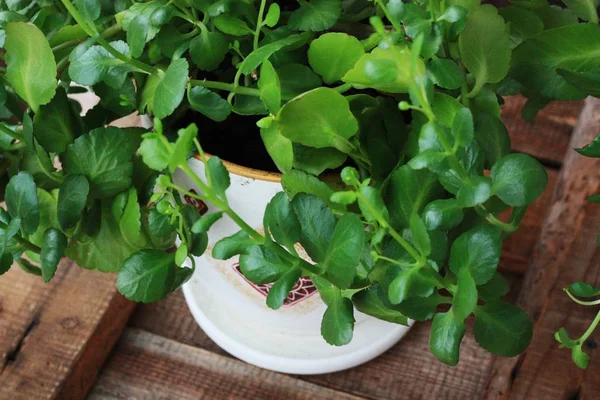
pixel 408 370
pixel 147 366
pixel 566 252
pixel 547 137
pixel 55 337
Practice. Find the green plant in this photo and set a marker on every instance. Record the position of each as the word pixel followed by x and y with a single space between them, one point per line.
pixel 406 95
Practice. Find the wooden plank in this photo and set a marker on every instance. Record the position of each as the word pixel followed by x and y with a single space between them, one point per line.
pixel 147 366
pixel 55 337
pixel 566 252
pixel 408 368
pixel 547 137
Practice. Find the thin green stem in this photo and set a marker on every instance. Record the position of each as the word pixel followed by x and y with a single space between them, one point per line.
pixel 581 302
pixel 591 328
pixel 23 242
pixel 401 264
pixel 11 133
pixel 259 23
pixel 226 86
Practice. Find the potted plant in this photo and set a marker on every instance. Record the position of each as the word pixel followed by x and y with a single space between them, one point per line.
pixel 400 100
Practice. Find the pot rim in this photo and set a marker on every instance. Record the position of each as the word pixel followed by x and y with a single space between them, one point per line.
pixel 246 172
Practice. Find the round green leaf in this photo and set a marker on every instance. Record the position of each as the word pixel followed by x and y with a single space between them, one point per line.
pixel 502 328
pixel 442 214
pixel 53 249
pixel 338 322
pixel 476 191
pixel 332 55
pixel 170 89
pixel 465 298
pixel 518 179
pixel 147 276
pixel 208 50
pixel 445 337
pixel 477 250
pixel 316 15
pixel 446 73
pixel 344 251
pixel 209 103
pixel 270 87
pixel 319 118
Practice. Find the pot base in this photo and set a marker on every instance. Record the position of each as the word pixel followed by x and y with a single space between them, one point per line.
pixel 234 315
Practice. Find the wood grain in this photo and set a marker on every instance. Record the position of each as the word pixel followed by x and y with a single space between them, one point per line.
pixel 147 366
pixel 566 252
pixel 547 137
pixel 408 370
pixel 55 337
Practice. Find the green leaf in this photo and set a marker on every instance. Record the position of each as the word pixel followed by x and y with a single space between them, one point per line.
pixel 385 69
pixel 421 308
pixel 89 9
pixel 588 81
pixel 462 127
pixel 279 148
pixel 6 261
pixel 371 301
pixel 562 336
pixel 492 137
pixel 104 157
pixel 476 191
pixel 181 254
pixel 263 53
pixel 344 251
pixel 282 221
pixel 270 87
pixel 592 149
pixel 107 250
pixel 554 16
pixel 22 201
pixel 208 50
pixel 261 265
pixel 445 73
pixel 465 298
pixel 157 11
pixel 209 103
pixel 297 182
pixel 419 235
pixel 48 219
pixel 273 14
pixel 233 245
pixel 584 290
pixel 411 282
pixel 72 198
pixel 296 79
pixel 485 46
pixel 414 18
pixel 580 358
pixel 338 321
pixel 573 47
pixel 523 23
pixel 316 161
pixel 204 224
pixel 147 276
pixel 280 290
pixel 96 64
pixel 232 25
pixel 408 192
pixel 130 223
pixel 332 55
pixel 53 124
pixel 495 288
pixel 427 159
pixel 316 15
pixel 159 224
pixel 219 177
pixel 587 10
pixel 478 251
pixel 137 34
pixel 171 88
pixel 155 153
pixel 55 243
pixel 446 335
pixel 502 328
pixel 317 224
pixel 183 146
pixel 518 179
pixel 319 118
pixel 30 64
pixel 445 108
pixel 442 214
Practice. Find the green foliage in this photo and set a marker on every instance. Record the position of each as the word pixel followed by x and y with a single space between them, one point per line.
pixel 404 96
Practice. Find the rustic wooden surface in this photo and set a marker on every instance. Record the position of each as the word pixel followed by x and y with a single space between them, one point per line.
pixel 54 338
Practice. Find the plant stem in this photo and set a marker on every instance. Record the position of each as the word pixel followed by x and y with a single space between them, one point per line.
pixel 591 328
pixel 23 242
pixel 581 302
pixel 259 23
pixel 11 133
pixel 226 86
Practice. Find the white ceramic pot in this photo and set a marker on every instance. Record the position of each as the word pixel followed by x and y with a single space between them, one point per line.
pixel 232 311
